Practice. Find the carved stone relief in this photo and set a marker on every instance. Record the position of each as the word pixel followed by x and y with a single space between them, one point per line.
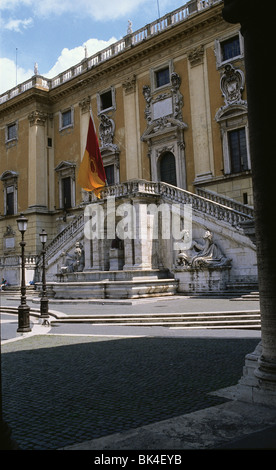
pixel 129 84
pixel 37 118
pixel 85 105
pixel 196 56
pixel 232 84
pixel 106 131
pixel 165 104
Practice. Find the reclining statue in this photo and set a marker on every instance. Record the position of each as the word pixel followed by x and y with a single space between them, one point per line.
pixel 203 255
pixel 75 262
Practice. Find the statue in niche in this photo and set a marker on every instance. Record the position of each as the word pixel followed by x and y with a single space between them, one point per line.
pixel 200 255
pixel 75 262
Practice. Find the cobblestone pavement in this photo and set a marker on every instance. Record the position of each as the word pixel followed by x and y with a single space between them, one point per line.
pixel 59 390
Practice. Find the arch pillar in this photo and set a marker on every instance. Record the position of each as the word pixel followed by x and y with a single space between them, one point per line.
pixel 258 42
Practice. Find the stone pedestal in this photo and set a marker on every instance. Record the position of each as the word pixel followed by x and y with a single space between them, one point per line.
pixel 204 280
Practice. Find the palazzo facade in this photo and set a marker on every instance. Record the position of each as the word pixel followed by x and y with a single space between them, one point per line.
pixel 169 105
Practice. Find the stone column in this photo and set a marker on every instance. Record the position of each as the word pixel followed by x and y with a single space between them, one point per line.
pixel 257 27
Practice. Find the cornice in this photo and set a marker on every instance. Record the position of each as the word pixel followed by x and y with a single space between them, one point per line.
pixel 186 28
pixel 195 24
pixel 34 95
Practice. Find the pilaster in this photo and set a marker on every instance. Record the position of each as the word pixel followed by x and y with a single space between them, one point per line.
pixel 37 161
pixel 200 114
pixel 131 129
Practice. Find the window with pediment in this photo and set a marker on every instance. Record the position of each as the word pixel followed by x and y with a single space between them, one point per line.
pixel 10 183
pixel 66 184
pixel 165 132
pixel 233 121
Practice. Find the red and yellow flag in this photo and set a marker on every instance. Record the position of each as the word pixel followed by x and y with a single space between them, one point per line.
pixel 91 175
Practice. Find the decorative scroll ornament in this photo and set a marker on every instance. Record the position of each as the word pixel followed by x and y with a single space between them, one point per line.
pixel 172 102
pixel 232 84
pixel 106 131
pixel 37 118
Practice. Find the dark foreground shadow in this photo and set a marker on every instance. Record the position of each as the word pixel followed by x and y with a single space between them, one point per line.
pixel 58 390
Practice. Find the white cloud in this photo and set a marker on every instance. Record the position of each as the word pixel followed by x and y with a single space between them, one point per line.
pixel 70 57
pixel 11 75
pixel 17 25
pixel 94 8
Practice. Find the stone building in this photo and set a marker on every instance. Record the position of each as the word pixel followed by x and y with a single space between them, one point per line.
pixel 169 106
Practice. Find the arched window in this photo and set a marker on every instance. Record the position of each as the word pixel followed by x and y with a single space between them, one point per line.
pixel 167 168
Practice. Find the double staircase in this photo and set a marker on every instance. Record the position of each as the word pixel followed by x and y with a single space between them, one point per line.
pixel 224 212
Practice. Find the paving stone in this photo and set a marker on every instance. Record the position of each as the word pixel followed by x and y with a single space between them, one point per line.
pixel 72 389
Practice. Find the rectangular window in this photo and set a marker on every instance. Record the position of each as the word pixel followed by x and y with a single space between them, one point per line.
pixel 66 193
pixel 230 48
pixel 12 132
pixel 66 118
pixel 162 77
pixel 109 173
pixel 238 150
pixel 10 200
pixel 106 100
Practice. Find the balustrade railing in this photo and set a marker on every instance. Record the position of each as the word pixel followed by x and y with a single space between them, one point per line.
pixel 167 192
pixel 132 39
pixel 67 233
pixel 226 201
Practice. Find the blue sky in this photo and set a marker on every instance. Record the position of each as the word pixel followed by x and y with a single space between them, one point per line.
pixel 53 33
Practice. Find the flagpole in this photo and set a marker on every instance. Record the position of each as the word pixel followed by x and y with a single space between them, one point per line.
pixel 158 9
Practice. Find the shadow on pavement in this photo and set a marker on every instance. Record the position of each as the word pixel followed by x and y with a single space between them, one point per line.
pixel 61 390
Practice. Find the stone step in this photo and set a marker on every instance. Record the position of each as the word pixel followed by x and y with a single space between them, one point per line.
pixel 242 320
pixel 185 320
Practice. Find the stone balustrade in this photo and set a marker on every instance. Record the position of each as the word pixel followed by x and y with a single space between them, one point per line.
pixel 168 193
pixel 130 40
pixel 226 201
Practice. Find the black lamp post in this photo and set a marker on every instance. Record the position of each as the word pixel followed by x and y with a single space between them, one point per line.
pixel 44 299
pixel 23 309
